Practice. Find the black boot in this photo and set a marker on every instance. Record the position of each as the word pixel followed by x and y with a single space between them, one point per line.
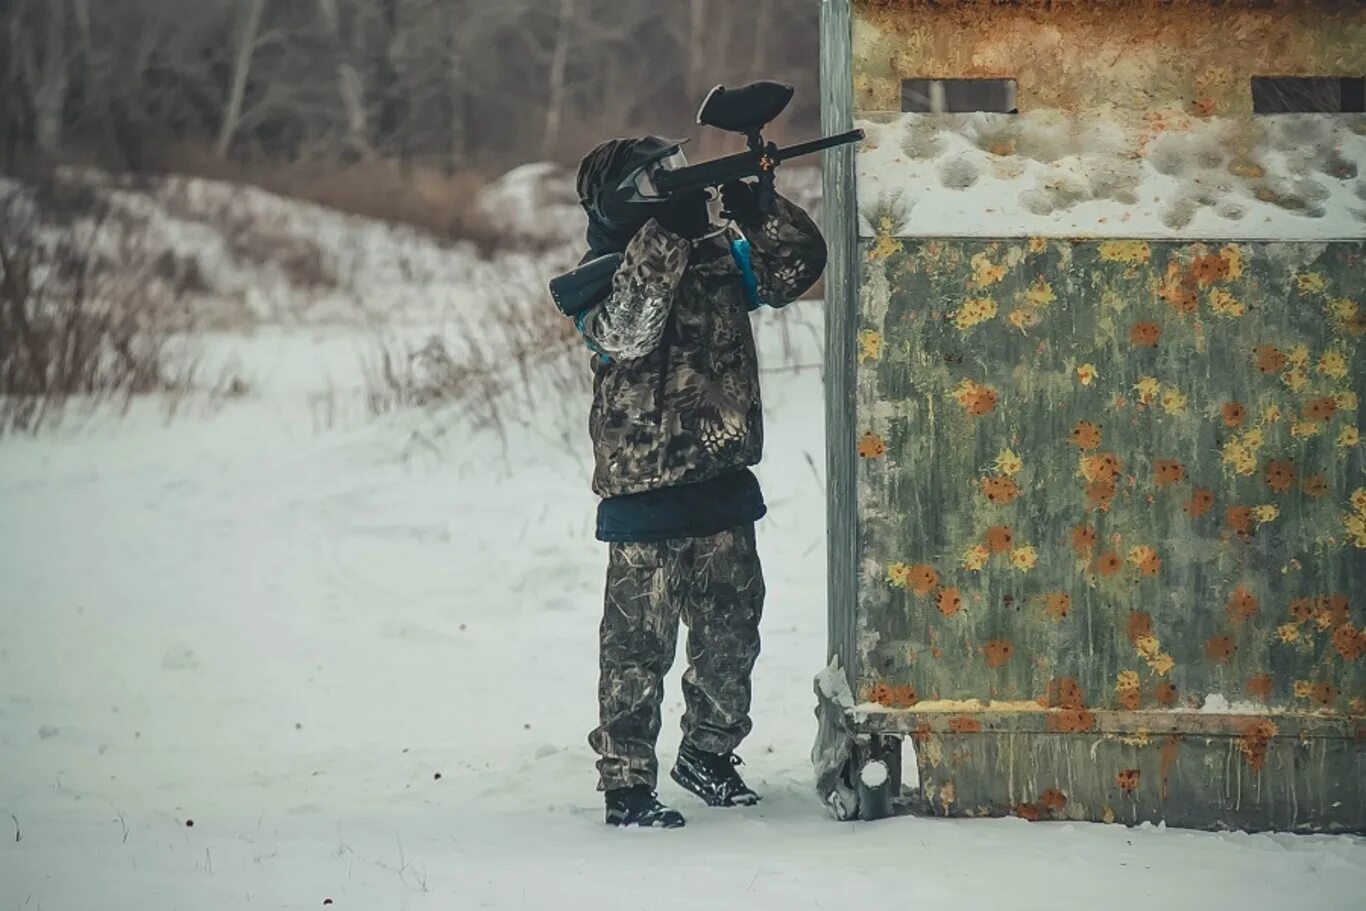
pixel 639 806
pixel 712 776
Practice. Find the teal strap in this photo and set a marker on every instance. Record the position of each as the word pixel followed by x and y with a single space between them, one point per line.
pixel 739 251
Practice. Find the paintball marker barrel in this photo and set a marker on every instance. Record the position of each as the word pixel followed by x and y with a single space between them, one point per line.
pixel 750 163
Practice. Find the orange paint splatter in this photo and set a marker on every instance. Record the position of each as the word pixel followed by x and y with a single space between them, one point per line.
pixel 1349 642
pixel 965 724
pixel 922 578
pixel 1239 520
pixel 1065 692
pixel 870 446
pixel 1280 475
pixel 1057 605
pixel 1254 740
pixel 1140 626
pixel 1242 605
pixel 1083 539
pixel 1315 486
pixel 1167 472
pixel 999 538
pixel 1234 414
pixel 1086 435
pixel 1071 721
pixel 1259 687
pixel 949 601
pixel 998 652
pixel 1108 564
pixel 1269 359
pixel 1165 694
pixel 1100 494
pixel 1220 649
pixel 1201 502
pixel 1144 335
pixel 1000 490
pixel 1302 609
pixel 1321 409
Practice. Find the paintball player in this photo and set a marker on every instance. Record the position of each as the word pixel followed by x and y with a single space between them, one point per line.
pixel 676 423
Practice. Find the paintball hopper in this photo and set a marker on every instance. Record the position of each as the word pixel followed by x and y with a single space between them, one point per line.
pixel 746 110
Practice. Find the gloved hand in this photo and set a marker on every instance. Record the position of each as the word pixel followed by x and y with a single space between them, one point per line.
pixel 685 214
pixel 741 202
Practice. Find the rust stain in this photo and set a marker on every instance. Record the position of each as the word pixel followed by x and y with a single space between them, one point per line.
pixel 1171 747
pixel 1127 780
pixel 965 724
pixel 1086 435
pixel 1220 649
pixel 1252 743
pixel 999 539
pixel 1065 692
pixel 1053 800
pixel 1140 626
pixel 1242 605
pixel 1234 414
pixel 998 652
pixel 1165 694
pixel 1144 334
pixel 1071 721
pixel 1260 686
pixel 1201 502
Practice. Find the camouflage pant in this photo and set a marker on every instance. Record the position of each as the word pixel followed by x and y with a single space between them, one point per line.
pixel 716 586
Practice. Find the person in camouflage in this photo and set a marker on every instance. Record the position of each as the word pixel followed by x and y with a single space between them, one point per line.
pixel 676 423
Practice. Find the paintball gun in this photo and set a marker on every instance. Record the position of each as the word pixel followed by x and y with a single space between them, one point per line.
pixel 745 110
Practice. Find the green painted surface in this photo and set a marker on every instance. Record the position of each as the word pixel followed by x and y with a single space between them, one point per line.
pixel 1195 539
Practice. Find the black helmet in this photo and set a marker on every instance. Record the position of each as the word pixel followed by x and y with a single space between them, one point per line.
pixel 614 186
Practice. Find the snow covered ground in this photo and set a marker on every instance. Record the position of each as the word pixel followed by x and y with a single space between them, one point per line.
pixel 360 658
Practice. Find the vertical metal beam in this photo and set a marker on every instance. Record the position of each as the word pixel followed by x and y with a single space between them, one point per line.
pixel 841 233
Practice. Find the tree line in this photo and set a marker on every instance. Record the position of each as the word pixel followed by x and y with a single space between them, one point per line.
pixel 454 85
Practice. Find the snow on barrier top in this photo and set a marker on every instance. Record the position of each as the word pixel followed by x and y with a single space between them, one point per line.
pixel 1044 173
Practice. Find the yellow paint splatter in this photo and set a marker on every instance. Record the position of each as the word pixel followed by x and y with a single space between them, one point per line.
pixel 975 558
pixel 1333 365
pixel 1024 558
pixel 1271 415
pixel 984 272
pixel 1086 374
pixel 1239 457
pixel 1148 646
pixel 1174 401
pixel 1008 463
pixel 1358 500
pixel 1265 513
pixel 1348 437
pixel 1108 815
pixel 1125 251
pixel 1288 632
pixel 1298 356
pixel 869 345
pixel 898 574
pixel 1040 294
pixel 1311 282
pixel 1296 379
pixel 1233 259
pixel 1128 680
pixel 1147 388
pixel 1347 401
pixel 1343 310
pixel 1303 430
pixel 1225 304
pixel 1161 664
pixel 973 312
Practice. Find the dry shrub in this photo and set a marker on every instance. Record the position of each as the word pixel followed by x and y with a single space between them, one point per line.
pixel 80 316
pixel 517 350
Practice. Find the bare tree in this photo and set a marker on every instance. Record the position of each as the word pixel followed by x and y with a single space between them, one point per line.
pixel 241 72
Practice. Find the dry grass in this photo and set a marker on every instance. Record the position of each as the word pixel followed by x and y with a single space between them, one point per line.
pixel 423 197
pixel 78 317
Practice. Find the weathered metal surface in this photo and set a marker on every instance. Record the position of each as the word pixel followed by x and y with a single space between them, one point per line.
pixel 1182 779
pixel 1118 480
pixel 841 320
pixel 1110 506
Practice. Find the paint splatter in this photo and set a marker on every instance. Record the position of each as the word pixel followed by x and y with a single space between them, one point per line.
pixel 871 446
pixel 998 652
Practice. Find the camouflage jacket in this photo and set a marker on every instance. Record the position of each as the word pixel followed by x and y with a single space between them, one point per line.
pixel 676 388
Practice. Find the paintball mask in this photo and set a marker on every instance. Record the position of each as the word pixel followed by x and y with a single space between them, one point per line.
pixel 617 185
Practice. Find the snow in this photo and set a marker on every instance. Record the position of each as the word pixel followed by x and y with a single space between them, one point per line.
pixel 359 656
pixel 1298 177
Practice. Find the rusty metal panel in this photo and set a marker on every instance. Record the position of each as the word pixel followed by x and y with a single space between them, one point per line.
pixel 1106 478
pixel 1109 481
